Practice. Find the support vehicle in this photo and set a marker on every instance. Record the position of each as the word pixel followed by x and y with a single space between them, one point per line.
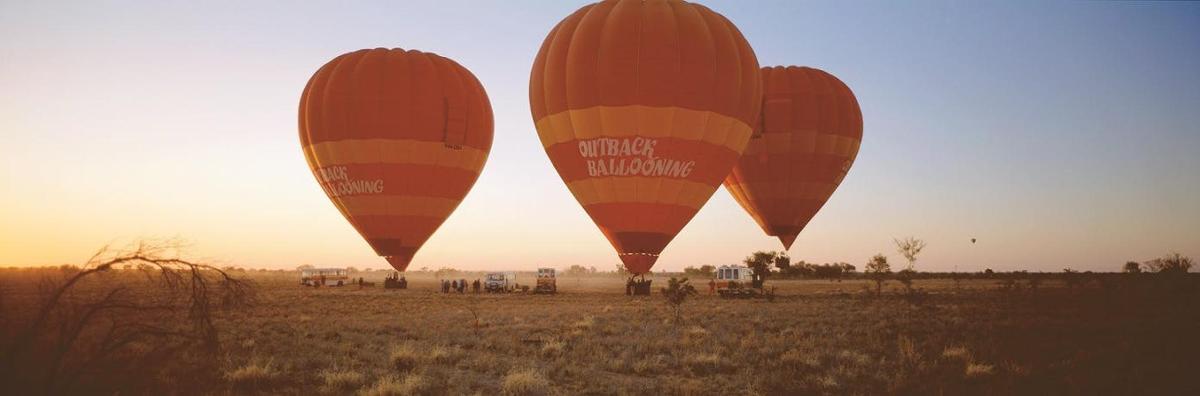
pixel 735 281
pixel 546 282
pixel 500 282
pixel 324 277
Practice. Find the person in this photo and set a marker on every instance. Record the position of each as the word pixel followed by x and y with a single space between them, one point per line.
pixel 475 286
pixel 403 283
pixel 445 286
pixel 712 286
pixel 629 287
pixel 360 282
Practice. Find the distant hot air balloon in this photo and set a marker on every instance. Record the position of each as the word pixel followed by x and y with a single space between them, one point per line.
pixel 396 139
pixel 643 108
pixel 972 240
pixel 805 141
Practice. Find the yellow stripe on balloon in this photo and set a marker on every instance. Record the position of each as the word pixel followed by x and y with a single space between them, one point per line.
pixel 643 121
pixel 803 143
pixel 597 190
pixel 784 190
pixel 399 205
pixel 396 151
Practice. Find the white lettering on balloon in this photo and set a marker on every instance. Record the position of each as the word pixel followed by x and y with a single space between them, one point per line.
pixel 630 157
pixel 337 182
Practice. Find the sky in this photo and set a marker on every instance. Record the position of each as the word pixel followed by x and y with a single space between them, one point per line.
pixel 1059 135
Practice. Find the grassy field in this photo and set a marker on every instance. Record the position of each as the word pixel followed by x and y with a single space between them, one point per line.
pixel 1116 335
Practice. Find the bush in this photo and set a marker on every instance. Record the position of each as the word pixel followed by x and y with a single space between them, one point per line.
pixel 404 357
pixel 413 384
pixel 524 382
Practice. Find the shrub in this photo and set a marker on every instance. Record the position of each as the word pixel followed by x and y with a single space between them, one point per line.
pixel 703 363
pixel 251 376
pixel 676 292
pixel 524 382
pixel 341 380
pixel 413 384
pixel 404 357
pixel 976 369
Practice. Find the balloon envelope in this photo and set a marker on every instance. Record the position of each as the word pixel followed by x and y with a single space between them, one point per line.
pixel 805 142
pixel 396 139
pixel 643 107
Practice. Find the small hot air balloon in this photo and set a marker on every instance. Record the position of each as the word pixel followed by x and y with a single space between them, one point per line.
pixel 972 241
pixel 643 107
pixel 804 143
pixel 396 139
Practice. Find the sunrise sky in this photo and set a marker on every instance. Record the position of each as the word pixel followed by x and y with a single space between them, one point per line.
pixel 1058 134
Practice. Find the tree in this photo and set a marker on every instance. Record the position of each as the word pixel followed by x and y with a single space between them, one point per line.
pixel 761 263
pixel 909 247
pixel 705 271
pixel 676 293
pixel 94 330
pixel 1132 267
pixel 621 270
pixel 1173 263
pixel 878 269
pixel 783 262
pixel 304 267
pixel 576 270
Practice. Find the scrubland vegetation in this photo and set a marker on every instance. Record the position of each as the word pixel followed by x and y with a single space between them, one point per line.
pixel 1063 333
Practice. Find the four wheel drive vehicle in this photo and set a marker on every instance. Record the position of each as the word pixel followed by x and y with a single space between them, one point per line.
pixel 500 282
pixel 735 281
pixel 324 277
pixel 546 282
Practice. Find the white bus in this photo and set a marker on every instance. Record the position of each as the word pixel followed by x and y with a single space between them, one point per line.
pixel 324 277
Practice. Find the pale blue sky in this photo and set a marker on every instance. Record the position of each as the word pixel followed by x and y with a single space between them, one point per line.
pixel 1058 134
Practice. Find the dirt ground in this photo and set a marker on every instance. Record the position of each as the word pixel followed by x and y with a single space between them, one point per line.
pixel 816 336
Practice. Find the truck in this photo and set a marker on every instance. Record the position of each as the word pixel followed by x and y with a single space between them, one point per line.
pixel 546 282
pixel 500 282
pixel 735 281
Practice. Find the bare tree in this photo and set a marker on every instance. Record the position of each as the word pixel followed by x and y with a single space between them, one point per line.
pixel 1173 263
pixel 909 247
pixel 106 332
pixel 1132 267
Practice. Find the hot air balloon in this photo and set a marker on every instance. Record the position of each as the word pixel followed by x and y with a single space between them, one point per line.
pixel 803 145
pixel 643 107
pixel 396 138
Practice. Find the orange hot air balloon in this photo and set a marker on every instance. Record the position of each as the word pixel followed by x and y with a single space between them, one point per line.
pixel 643 108
pixel 396 139
pixel 806 140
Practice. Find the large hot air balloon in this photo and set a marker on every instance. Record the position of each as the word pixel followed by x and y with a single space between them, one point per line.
pixel 805 141
pixel 643 108
pixel 396 139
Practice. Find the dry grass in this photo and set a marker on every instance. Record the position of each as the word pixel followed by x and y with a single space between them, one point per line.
pixel 976 369
pixel 818 337
pixel 411 384
pixel 338 381
pixel 525 382
pixel 251 376
pixel 404 357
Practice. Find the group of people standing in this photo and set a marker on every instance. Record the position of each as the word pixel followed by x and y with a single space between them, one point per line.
pixel 459 286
